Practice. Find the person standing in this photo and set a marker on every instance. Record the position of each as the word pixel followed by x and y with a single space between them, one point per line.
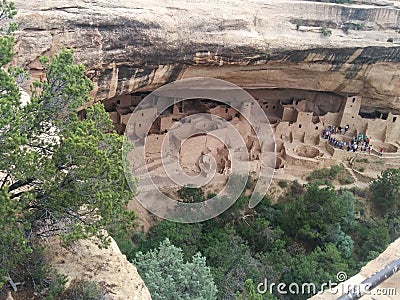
pixel 346 128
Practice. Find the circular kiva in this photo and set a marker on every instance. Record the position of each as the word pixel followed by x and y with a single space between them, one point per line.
pixel 213 127
pixel 142 177
pixel 307 151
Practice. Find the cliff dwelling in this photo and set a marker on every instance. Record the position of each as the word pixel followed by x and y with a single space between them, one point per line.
pixel 299 119
pixel 326 73
pixel 301 78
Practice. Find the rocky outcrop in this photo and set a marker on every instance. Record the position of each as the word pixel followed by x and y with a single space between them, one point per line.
pixel 109 267
pixel 140 45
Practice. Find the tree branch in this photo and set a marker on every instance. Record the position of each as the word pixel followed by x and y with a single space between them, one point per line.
pixel 13 196
pixel 5 180
pixel 19 184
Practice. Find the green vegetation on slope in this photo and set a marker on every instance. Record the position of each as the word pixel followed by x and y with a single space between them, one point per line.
pixel 58 175
pixel 310 235
pixel 334 173
pixel 167 276
pixel 385 190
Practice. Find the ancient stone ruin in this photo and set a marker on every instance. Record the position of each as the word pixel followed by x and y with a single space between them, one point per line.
pixel 298 123
pixel 277 54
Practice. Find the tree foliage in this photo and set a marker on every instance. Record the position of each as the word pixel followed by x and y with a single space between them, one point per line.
pixel 58 174
pixel 372 238
pixel 84 290
pixel 167 276
pixel 310 216
pixel 13 245
pixel 66 174
pixel 191 194
pixel 385 190
pixel 309 236
pixel 250 293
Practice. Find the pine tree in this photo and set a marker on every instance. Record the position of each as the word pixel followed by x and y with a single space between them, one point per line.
pixel 385 190
pixel 58 174
pixel 168 277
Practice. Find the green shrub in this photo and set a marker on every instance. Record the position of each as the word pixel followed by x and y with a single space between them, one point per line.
pixel 325 173
pixel 298 23
pixel 251 182
pixel 358 192
pixel 325 31
pixel 250 293
pixel 372 238
pixel 362 160
pixel 344 177
pixel 362 169
pixel 237 183
pixel 43 279
pixel 283 183
pixel 322 182
pixel 211 195
pixel 296 189
pixel 191 194
pixel 346 180
pixel 318 174
pixel 127 246
pixel 168 276
pixel 334 171
pixel 84 290
pixel 379 161
pixel 352 26
pixel 56 283
pixel 385 190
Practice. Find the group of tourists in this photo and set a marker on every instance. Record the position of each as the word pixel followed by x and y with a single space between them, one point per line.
pixel 334 130
pixel 360 143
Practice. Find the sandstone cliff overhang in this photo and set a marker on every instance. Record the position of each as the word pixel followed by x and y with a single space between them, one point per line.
pixel 140 45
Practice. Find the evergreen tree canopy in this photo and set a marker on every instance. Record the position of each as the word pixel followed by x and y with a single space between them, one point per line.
pixel 168 277
pixel 310 217
pixel 58 174
pixel 385 190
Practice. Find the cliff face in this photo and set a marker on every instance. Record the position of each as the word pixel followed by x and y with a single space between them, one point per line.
pixel 109 267
pixel 141 45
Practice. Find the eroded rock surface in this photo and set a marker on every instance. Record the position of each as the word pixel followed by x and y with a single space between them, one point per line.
pixel 141 45
pixel 109 267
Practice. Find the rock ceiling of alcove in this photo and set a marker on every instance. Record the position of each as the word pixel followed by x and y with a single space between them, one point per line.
pixel 141 45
